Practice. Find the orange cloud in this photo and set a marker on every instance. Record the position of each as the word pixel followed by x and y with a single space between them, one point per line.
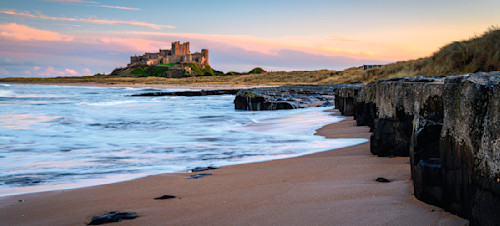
pixel 68 71
pixel 51 71
pixel 25 33
pixel 92 21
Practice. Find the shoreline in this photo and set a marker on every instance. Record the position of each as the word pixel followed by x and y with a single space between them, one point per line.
pixel 269 126
pixel 143 85
pixel 335 186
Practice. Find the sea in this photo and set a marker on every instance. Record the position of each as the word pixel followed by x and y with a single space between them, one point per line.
pixel 62 137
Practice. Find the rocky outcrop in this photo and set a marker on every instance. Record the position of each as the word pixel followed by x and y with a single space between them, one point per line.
pixel 286 97
pixel 449 127
pixel 346 101
pixel 470 147
pixel 389 107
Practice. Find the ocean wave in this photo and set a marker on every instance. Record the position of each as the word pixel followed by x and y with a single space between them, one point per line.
pixel 64 120
pixel 111 103
pixel 7 93
pixel 4 85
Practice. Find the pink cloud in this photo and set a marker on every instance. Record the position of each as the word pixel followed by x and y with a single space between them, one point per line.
pixel 51 71
pixel 70 72
pixel 80 20
pixel 10 53
pixel 25 33
pixel 36 68
pixel 87 71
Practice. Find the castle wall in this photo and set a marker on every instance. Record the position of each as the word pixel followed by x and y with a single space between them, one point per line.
pixel 152 62
pixel 178 54
pixel 172 59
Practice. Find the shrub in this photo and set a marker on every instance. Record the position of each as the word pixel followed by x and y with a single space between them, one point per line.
pixel 257 70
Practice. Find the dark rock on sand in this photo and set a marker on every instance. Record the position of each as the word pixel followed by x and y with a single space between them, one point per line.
pixel 286 97
pixel 198 169
pixel 112 217
pixel 165 197
pixel 382 180
pixel 196 176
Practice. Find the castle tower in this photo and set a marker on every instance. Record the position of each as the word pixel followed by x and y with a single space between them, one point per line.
pixel 204 55
pixel 180 49
pixel 186 49
pixel 175 48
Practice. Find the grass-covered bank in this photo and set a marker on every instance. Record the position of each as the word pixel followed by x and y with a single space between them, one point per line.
pixel 480 53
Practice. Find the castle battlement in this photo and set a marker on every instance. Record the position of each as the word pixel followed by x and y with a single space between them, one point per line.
pixel 178 54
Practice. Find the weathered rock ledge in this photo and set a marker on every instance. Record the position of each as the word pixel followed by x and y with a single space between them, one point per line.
pixel 286 97
pixel 450 128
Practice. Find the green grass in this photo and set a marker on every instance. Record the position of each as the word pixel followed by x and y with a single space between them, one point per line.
pixel 139 72
pixel 165 65
pixel 207 71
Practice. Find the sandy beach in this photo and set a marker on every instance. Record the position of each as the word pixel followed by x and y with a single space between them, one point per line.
pixel 336 187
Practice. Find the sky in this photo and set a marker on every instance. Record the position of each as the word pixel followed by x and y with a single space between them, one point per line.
pixel 47 38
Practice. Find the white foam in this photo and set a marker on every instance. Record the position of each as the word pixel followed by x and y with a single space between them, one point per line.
pixel 6 93
pixel 110 103
pixel 303 123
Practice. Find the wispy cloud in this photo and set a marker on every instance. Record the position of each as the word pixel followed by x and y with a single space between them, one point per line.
pixel 24 33
pixel 92 3
pixel 115 7
pixel 80 20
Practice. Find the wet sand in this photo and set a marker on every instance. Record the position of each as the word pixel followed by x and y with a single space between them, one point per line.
pixel 336 187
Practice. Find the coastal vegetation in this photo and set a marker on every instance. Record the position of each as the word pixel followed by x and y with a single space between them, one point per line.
pixel 480 53
pixel 257 70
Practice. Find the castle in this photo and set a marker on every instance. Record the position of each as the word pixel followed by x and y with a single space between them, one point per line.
pixel 179 54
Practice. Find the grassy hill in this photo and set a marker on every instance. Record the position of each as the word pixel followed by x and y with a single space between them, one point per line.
pixel 476 54
pixel 480 53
